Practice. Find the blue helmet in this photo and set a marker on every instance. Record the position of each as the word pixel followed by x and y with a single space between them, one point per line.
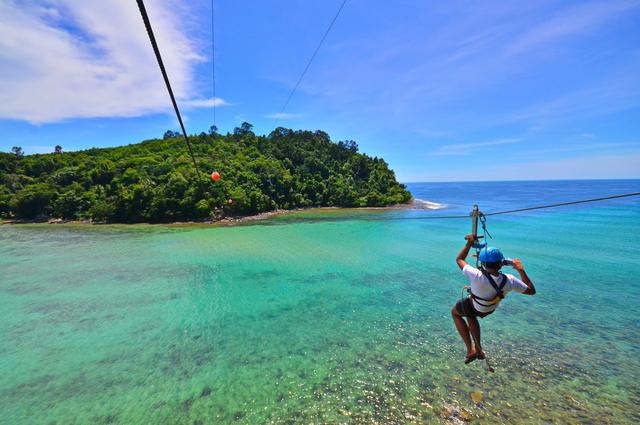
pixel 490 255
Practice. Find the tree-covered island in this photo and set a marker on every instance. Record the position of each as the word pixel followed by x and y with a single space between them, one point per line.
pixel 155 181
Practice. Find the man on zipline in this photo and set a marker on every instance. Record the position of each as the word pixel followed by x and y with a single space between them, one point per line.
pixel 488 288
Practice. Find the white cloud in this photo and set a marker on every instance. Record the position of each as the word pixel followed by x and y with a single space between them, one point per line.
pixel 469 148
pixel 62 59
pixel 284 116
pixel 205 103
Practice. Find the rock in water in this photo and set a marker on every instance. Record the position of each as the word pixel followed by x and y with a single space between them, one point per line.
pixel 477 397
pixel 448 411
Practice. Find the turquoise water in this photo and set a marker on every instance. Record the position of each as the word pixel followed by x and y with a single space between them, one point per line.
pixel 339 321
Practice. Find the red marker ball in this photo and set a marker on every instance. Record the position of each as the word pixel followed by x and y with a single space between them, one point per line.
pixel 230 202
pixel 215 176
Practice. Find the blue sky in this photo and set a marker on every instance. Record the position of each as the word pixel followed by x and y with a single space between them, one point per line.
pixel 442 90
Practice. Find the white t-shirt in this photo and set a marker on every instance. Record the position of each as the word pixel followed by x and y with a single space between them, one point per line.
pixel 481 286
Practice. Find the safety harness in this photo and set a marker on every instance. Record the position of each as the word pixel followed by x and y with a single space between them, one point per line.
pixel 500 294
pixel 477 215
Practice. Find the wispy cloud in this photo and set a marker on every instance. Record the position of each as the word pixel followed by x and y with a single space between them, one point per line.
pixel 284 116
pixel 469 148
pixel 618 91
pixel 570 21
pixel 457 60
pixel 75 59
pixel 205 103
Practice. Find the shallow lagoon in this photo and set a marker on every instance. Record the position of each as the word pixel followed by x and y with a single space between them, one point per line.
pixel 340 321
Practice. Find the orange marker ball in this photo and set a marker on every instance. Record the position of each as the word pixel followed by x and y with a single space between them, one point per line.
pixel 215 176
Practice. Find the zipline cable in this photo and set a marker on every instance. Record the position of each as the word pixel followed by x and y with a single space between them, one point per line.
pixel 213 59
pixel 440 217
pixel 562 204
pixel 156 50
pixel 306 68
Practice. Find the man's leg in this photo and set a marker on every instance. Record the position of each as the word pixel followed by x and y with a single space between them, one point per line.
pixel 474 327
pixel 463 330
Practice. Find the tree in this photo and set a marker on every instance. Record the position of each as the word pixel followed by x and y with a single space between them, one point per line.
pixel 33 201
pixel 5 201
pixel 58 149
pixel 169 134
pixel 280 132
pixel 69 204
pixel 213 130
pixel 101 211
pixel 17 151
pixel 351 146
pixel 102 171
pixel 244 130
pixel 65 176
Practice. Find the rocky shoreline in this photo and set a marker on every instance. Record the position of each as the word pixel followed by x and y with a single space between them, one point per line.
pixel 225 220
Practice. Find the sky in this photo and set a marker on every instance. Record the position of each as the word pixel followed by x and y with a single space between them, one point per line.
pixel 444 91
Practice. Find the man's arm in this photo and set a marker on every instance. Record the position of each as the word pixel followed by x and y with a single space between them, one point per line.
pixel 517 264
pixel 462 256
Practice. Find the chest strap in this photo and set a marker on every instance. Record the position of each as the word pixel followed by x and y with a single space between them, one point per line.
pixel 500 294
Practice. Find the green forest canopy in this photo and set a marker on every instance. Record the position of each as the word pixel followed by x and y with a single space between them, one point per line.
pixel 155 181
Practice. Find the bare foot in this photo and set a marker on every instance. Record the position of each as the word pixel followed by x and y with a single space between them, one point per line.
pixel 471 356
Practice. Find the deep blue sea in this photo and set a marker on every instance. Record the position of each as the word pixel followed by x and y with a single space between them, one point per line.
pixel 493 196
pixel 325 316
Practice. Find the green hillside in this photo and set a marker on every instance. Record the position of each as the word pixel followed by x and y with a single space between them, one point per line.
pixel 155 181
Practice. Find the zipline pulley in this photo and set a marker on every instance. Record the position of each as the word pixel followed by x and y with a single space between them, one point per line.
pixel 475 216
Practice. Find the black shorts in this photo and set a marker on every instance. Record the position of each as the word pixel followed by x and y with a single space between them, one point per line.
pixel 465 308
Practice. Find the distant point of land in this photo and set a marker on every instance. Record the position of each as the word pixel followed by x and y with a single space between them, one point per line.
pixel 155 181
